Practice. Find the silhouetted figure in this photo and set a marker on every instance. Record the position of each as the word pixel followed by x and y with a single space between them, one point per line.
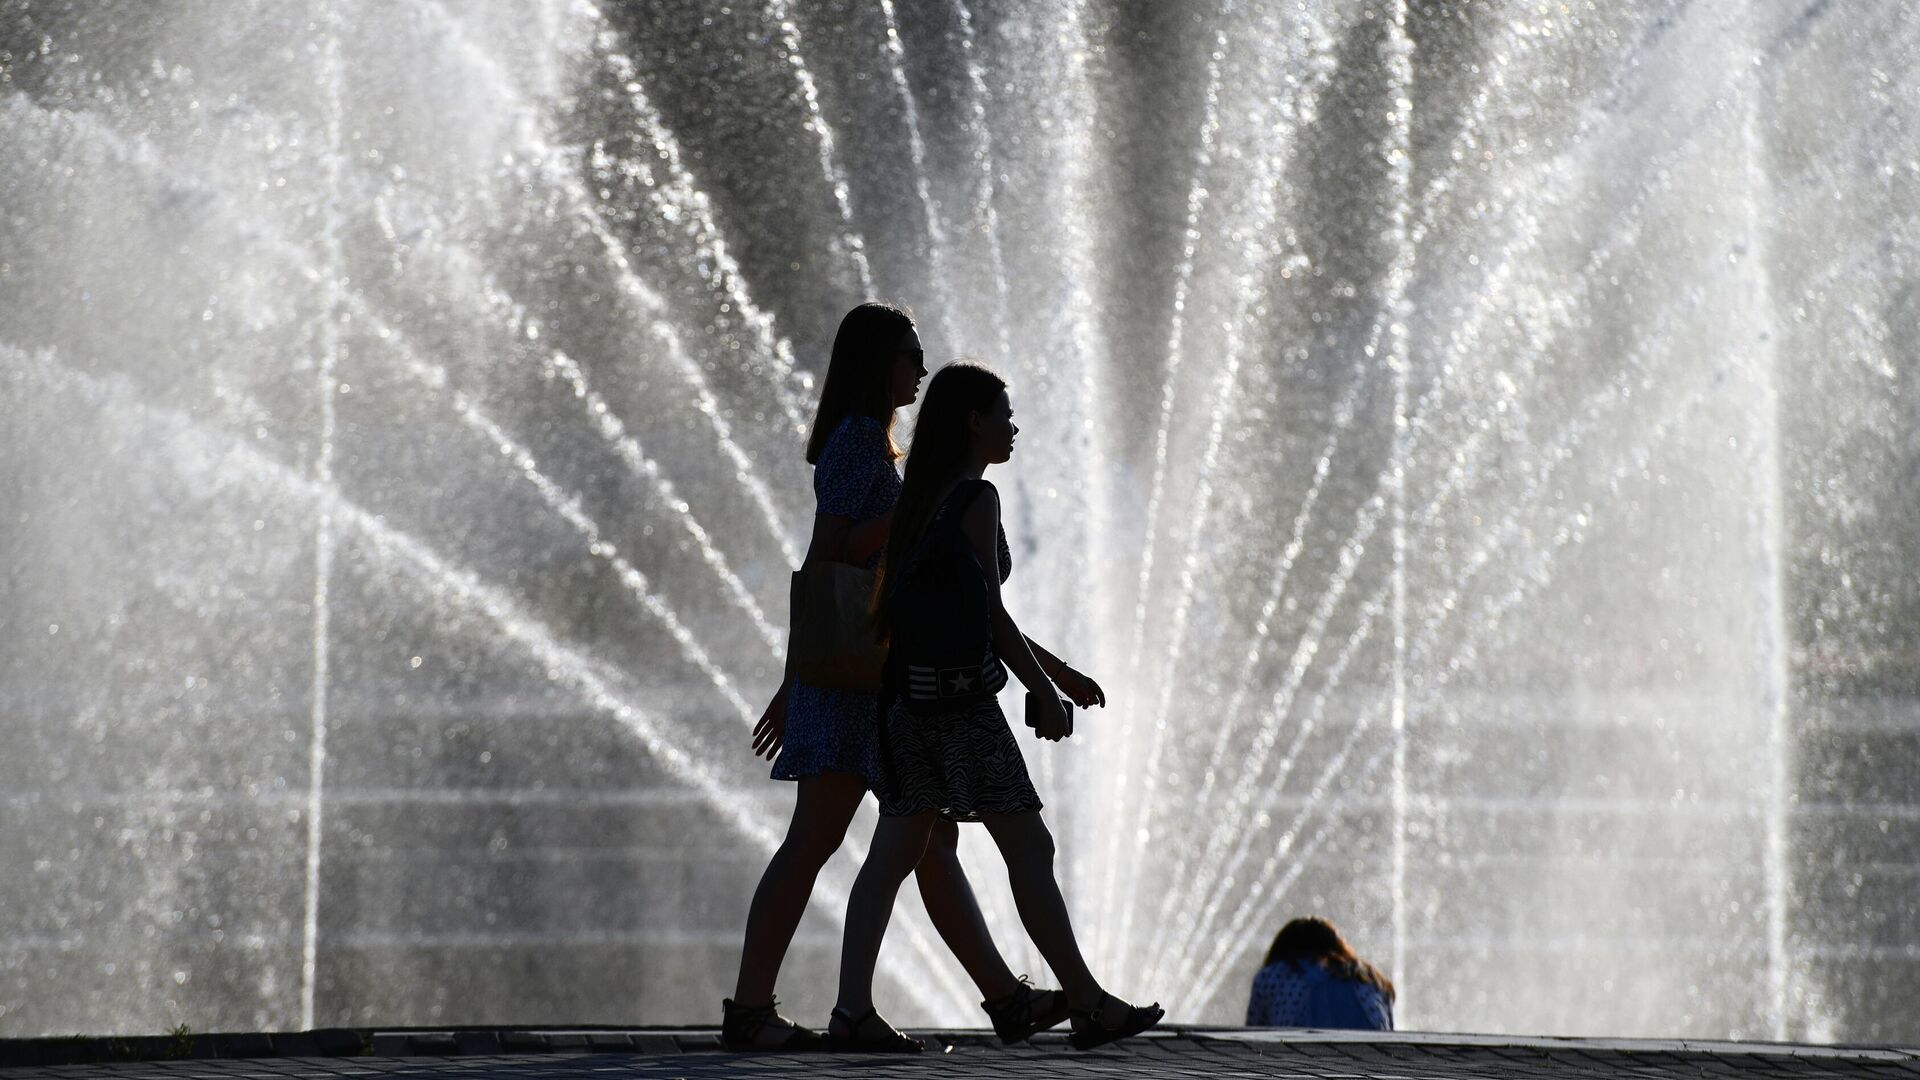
pixel 945 744
pixel 1311 978
pixel 824 738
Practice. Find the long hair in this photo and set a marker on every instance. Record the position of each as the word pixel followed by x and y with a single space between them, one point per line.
pixel 941 439
pixel 1315 940
pixel 859 373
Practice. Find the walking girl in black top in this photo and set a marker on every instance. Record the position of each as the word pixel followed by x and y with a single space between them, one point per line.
pixel 824 738
pixel 960 763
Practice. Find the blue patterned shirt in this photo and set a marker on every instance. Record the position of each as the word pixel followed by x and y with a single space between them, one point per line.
pixel 1295 993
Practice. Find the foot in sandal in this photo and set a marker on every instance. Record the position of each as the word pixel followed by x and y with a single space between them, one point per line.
pixel 1110 1020
pixel 868 1033
pixel 761 1027
pixel 1025 1012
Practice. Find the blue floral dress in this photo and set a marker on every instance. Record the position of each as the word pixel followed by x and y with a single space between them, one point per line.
pixel 832 730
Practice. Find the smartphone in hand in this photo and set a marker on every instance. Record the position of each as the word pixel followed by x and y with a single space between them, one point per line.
pixel 1033 711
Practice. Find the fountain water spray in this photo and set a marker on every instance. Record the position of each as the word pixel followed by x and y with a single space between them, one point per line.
pixel 1501 557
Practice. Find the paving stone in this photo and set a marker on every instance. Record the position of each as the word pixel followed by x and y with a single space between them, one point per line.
pixel 391 1043
pixel 341 1042
pixel 477 1042
pixel 296 1044
pixel 250 1044
pixel 433 1043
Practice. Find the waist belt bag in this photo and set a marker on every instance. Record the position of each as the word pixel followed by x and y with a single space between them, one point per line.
pixel 830 643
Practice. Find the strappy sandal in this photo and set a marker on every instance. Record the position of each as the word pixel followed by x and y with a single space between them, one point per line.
pixel 860 1039
pixel 753 1027
pixel 1090 1028
pixel 1018 1015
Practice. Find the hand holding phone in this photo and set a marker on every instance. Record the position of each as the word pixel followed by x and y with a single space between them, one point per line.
pixel 1036 706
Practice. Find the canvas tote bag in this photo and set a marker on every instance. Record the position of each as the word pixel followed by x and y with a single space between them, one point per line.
pixel 830 642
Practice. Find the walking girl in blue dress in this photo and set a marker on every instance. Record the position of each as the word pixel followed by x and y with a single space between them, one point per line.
pixel 824 740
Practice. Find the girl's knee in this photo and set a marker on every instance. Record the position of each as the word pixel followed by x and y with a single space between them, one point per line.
pixel 810 848
pixel 944 836
pixel 1040 845
pixel 902 841
pixel 1023 836
pixel 820 818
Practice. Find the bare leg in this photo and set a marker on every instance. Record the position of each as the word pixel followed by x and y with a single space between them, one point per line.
pixel 898 843
pixel 820 817
pixel 956 914
pixel 1028 848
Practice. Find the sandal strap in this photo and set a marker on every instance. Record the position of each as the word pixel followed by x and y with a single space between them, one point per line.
pixel 1016 1006
pixel 750 1020
pixel 853 1021
pixel 1024 1012
pixel 1097 1016
pixel 892 1037
pixel 1099 1009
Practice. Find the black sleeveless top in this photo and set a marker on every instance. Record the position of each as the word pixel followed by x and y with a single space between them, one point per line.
pixel 971 491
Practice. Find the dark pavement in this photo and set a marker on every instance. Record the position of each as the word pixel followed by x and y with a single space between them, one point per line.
pixel 471 1054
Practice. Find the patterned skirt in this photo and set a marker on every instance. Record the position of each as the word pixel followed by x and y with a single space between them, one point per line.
pixel 829 731
pixel 961 764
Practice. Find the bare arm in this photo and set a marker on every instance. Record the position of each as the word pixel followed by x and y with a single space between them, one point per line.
pixel 843 539
pixel 1049 663
pixel 1038 669
pixel 982 529
pixel 1076 684
pixel 868 537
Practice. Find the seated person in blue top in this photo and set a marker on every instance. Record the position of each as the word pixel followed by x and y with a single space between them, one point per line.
pixel 1311 978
